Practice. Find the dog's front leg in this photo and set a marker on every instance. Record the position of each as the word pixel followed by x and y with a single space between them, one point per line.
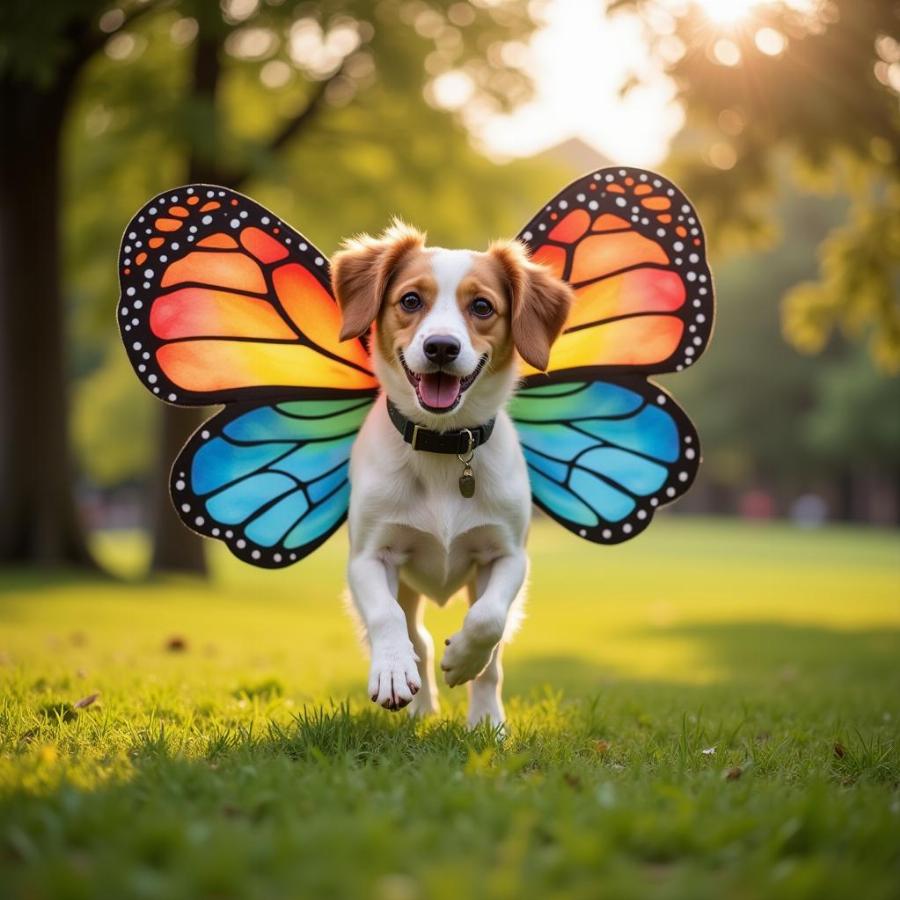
pixel 469 650
pixel 393 676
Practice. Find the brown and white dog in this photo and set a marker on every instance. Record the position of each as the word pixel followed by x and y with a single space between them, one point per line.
pixel 447 328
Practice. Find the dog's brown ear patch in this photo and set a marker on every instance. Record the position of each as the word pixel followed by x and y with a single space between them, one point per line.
pixel 540 302
pixel 361 271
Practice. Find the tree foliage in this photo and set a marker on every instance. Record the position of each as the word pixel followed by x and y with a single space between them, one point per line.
pixel 819 80
pixel 366 142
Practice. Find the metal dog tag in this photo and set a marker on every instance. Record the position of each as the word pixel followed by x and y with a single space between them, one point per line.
pixel 467 483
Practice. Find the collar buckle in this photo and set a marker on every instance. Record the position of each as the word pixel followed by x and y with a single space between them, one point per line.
pixel 415 435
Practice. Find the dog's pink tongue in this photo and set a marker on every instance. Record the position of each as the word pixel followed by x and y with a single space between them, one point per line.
pixel 439 390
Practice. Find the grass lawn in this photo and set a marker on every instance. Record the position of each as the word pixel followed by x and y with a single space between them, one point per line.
pixel 711 711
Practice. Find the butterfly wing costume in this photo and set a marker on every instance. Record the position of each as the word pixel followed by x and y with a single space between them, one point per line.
pixel 223 303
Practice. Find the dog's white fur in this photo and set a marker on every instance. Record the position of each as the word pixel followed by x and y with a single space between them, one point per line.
pixel 413 534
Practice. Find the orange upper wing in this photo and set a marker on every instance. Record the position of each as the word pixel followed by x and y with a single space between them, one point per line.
pixel 221 301
pixel 631 245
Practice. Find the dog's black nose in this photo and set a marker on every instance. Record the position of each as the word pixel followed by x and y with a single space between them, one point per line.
pixel 442 349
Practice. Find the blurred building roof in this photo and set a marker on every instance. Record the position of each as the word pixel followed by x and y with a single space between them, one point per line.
pixel 577 155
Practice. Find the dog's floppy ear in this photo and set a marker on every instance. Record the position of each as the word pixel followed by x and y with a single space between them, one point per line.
pixel 361 271
pixel 540 302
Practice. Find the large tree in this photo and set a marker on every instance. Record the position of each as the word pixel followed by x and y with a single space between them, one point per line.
pixel 204 93
pixel 43 49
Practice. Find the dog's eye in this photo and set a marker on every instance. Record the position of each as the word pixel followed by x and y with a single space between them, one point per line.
pixel 481 308
pixel 411 302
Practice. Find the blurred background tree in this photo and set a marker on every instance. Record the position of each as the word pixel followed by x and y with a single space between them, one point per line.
pixel 321 101
pixel 806 84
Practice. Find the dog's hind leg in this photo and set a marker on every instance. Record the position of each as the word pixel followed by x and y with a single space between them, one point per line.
pixel 485 690
pixel 425 701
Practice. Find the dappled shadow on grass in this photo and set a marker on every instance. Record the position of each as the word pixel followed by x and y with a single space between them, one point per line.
pixel 748 654
pixel 38 581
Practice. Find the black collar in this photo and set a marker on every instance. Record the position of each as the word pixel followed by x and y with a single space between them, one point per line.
pixel 460 442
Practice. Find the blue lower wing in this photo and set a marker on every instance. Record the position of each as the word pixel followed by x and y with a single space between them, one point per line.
pixel 272 482
pixel 604 455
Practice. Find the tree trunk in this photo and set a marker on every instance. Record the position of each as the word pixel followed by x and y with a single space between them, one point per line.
pixel 38 523
pixel 847 496
pixel 175 547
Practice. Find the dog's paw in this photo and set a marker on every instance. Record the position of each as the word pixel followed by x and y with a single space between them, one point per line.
pixel 393 677
pixel 465 658
pixel 469 650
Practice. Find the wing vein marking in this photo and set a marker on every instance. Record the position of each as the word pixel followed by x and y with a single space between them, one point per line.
pixel 616 418
pixel 236 339
pixel 613 484
pixel 572 464
pixel 268 272
pixel 324 499
pixel 544 474
pixel 634 315
pixel 663 267
pixel 240 478
pixel 275 300
pixel 310 506
pixel 282 412
pixel 295 444
pixel 302 340
pixel 604 442
pixel 577 388
pixel 265 508
pixel 306 484
pixel 611 418
pixel 171 288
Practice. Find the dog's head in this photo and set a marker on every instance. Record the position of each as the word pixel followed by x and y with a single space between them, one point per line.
pixel 447 323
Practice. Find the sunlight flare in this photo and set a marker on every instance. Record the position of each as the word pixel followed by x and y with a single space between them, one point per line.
pixel 727 12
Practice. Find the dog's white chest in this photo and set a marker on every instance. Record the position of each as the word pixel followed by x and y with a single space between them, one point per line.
pixel 406 507
pixel 442 542
pixel 437 570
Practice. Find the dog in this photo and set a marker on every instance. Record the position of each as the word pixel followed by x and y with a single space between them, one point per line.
pixel 440 497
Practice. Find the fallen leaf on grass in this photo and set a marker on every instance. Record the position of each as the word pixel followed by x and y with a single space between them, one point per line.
pixel 733 773
pixel 85 702
pixel 601 746
pixel 839 750
pixel 573 781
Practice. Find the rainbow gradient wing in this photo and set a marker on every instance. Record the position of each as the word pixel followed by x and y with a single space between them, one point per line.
pixel 631 245
pixel 606 447
pixel 603 456
pixel 222 302
pixel 270 481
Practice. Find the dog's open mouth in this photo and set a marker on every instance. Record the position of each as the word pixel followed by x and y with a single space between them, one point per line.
pixel 440 391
